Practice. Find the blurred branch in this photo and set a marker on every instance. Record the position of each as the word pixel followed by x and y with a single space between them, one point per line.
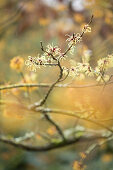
pixel 46 85
pixel 73 114
pixel 25 137
pixel 48 118
pixel 10 20
pixel 98 144
pixel 50 146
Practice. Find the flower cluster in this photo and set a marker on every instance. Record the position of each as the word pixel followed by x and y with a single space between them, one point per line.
pixel 76 38
pixel 73 39
pixel 50 57
pixel 78 165
pixel 78 70
pixel 81 70
pixel 34 62
pixel 105 63
pixel 102 66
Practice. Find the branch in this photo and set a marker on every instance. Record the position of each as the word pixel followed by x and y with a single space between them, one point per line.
pixel 47 64
pixel 42 101
pixel 50 146
pixel 72 114
pixel 46 85
pixel 81 35
pixel 48 118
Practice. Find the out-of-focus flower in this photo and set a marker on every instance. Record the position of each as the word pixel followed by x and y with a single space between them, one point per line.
pixel 65 70
pixel 86 56
pixel 73 72
pixel 44 21
pixel 107 157
pixel 103 65
pixel 78 18
pixel 80 77
pixel 61 7
pixel 106 62
pixel 104 78
pixel 98 13
pixel 17 63
pixel 78 166
pixel 109 17
pixel 38 136
pixel 82 155
pixel 51 131
pixel 29 78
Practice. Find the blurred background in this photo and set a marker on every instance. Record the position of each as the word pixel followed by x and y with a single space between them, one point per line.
pixel 23 24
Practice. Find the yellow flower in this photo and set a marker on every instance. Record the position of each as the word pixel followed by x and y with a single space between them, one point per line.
pixel 82 155
pixel 78 166
pixel 61 7
pixel 86 28
pixel 78 18
pixel 51 131
pixel 80 77
pixel 44 21
pixel 107 157
pixel 98 13
pixel 17 63
pixel 105 78
pixel 29 79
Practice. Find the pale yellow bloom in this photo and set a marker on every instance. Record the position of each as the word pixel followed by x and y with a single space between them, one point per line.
pixel 105 78
pixel 78 18
pixel 17 63
pixel 80 77
pixel 82 155
pixel 44 21
pixel 86 56
pixel 107 157
pixel 86 29
pixel 51 131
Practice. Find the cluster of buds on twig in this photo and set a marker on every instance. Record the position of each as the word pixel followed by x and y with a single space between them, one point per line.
pixel 78 70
